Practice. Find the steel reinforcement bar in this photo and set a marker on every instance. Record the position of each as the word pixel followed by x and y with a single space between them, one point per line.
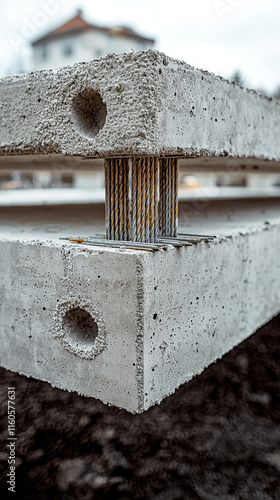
pixel 148 209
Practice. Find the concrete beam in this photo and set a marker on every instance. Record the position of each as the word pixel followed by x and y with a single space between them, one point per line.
pixel 139 103
pixel 129 326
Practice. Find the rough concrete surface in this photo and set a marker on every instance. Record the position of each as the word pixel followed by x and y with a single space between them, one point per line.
pixel 159 318
pixel 216 438
pixel 138 103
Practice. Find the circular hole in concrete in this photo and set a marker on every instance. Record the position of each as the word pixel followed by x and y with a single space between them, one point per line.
pixel 89 112
pixel 80 328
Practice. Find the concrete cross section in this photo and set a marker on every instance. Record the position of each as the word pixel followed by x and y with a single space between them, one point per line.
pixel 130 317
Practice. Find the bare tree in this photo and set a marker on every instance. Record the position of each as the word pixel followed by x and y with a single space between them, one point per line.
pixel 237 77
pixel 18 66
pixel 277 92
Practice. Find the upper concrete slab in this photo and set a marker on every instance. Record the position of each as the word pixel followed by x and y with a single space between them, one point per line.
pixel 138 103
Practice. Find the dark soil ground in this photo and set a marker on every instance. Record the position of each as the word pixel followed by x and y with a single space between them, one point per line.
pixel 217 437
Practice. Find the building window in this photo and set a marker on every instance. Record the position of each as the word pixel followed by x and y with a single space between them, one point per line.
pixel 44 51
pixel 68 50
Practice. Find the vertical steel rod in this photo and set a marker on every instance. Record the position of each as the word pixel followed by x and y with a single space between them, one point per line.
pixel 154 201
pixel 126 199
pixel 175 196
pixel 117 198
pixel 121 199
pixel 168 212
pixel 134 174
pixel 139 202
pixel 149 162
pixel 143 198
pixel 108 198
pixel 116 168
pixel 112 204
pixel 153 207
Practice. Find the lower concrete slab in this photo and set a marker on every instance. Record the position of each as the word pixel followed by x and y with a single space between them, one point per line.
pixel 129 326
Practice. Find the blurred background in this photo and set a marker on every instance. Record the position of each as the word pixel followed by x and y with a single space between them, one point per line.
pixel 237 39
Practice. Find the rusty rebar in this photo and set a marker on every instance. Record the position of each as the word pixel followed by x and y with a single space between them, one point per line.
pixel 134 180
pixel 121 199
pixel 148 166
pixel 154 184
pixel 168 198
pixel 107 198
pixel 176 188
pixel 117 199
pixel 126 199
pixel 144 199
pixel 168 211
pixel 138 221
pixel 152 208
pixel 112 199
pixel 174 197
pixel 152 201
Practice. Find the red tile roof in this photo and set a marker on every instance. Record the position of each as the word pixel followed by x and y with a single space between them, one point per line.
pixel 78 24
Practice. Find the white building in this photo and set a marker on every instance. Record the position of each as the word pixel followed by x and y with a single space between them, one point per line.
pixel 77 40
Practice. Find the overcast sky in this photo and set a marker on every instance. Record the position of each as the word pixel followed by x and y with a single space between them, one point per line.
pixel 218 35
